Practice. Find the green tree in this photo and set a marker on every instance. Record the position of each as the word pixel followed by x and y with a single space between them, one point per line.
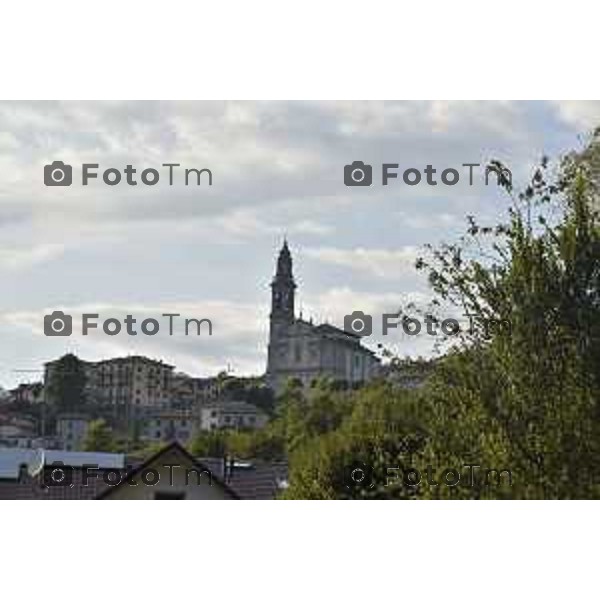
pixel 524 398
pixel 99 437
pixel 65 388
pixel 527 397
pixel 210 443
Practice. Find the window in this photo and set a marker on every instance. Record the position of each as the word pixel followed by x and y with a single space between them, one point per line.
pixel 227 419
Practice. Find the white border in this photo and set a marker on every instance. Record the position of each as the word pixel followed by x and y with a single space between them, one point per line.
pixel 303 50
pixel 298 550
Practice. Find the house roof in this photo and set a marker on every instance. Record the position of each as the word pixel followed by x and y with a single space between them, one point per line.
pixel 11 460
pixel 103 460
pixel 237 406
pixel 163 451
pixel 252 480
pixel 255 480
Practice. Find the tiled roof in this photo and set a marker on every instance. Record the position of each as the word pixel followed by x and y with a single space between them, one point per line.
pixel 233 406
pixel 253 480
pixel 13 489
pixel 95 485
pixel 257 480
pixel 33 488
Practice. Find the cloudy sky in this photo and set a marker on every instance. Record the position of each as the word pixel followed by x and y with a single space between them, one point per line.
pixel 209 252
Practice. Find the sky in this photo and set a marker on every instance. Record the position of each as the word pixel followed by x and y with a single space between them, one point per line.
pixel 210 251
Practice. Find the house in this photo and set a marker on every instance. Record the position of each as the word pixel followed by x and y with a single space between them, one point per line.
pixel 17 432
pixel 71 430
pixel 170 474
pixel 35 474
pixel 169 425
pixel 231 414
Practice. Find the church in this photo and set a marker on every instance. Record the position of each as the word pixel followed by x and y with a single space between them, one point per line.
pixel 300 350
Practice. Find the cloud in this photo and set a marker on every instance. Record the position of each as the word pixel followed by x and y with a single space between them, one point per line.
pixel 583 114
pixel 23 258
pixel 388 264
pixel 238 335
pixel 277 169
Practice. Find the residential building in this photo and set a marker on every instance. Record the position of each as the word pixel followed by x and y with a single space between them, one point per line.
pixel 170 425
pixel 27 392
pixel 17 431
pixel 189 391
pixel 71 430
pixel 170 474
pixel 127 384
pixel 231 415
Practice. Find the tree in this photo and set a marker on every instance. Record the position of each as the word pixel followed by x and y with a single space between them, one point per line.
pixel 65 388
pixel 524 398
pixel 382 430
pixel 99 437
pixel 210 443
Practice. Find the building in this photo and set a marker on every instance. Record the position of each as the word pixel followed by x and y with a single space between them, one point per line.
pixel 17 431
pixel 135 380
pixel 71 430
pixel 27 392
pixel 231 415
pixel 300 350
pixel 189 391
pixel 170 474
pixel 170 425
pixel 127 384
pixel 408 373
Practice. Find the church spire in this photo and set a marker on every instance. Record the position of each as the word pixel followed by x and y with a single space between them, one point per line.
pixel 283 287
pixel 284 263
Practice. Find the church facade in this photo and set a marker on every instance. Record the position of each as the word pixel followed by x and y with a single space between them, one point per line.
pixel 301 350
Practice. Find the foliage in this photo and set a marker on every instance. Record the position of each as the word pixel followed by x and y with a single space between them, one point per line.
pixel 99 438
pixel 523 398
pixel 65 389
pixel 210 443
pixel 248 390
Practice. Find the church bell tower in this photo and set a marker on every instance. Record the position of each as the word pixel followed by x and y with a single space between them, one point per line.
pixel 283 289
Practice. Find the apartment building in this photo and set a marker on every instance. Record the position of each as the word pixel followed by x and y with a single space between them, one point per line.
pixel 232 415
pixel 128 383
